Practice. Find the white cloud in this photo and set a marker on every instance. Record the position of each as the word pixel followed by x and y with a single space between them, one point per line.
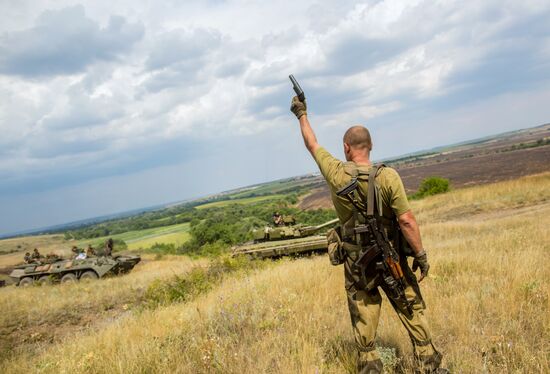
pixel 102 87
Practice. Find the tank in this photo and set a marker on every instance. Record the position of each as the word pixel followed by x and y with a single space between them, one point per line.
pixel 285 240
pixel 63 270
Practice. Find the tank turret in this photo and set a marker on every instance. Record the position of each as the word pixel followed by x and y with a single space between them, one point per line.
pixel 288 231
pixel 285 240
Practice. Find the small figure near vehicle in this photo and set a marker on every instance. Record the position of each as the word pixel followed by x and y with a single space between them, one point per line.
pixel 278 219
pixel 76 251
pixel 36 256
pixel 109 247
pixel 90 251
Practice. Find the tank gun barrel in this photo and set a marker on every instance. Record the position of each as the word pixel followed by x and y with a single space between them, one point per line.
pixel 331 222
pixel 310 230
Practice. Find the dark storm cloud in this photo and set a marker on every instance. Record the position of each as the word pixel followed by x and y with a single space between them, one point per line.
pixel 65 42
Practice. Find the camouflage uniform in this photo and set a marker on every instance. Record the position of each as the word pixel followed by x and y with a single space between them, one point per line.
pixel 277 219
pixel 36 255
pixel 90 251
pixel 364 299
pixel 109 247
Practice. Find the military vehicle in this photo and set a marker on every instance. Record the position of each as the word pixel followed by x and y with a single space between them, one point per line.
pixel 288 239
pixel 63 270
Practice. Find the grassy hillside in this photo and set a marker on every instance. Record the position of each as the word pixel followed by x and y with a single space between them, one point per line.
pixel 487 299
pixel 28 243
pixel 245 200
pixel 175 234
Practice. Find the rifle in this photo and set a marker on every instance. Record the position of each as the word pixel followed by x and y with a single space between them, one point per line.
pixel 297 88
pixel 374 243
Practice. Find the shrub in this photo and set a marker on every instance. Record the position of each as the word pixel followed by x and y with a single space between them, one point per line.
pixel 162 248
pixel 183 288
pixel 119 245
pixel 432 186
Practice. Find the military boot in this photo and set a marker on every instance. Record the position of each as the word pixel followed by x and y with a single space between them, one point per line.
pixel 368 362
pixel 370 367
pixel 430 364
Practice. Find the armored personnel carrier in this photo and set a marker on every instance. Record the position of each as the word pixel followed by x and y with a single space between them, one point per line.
pixel 62 270
pixel 285 240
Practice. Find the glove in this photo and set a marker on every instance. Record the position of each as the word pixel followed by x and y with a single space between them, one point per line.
pixel 421 261
pixel 298 107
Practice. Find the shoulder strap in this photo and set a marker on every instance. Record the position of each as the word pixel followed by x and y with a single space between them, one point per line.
pixel 370 191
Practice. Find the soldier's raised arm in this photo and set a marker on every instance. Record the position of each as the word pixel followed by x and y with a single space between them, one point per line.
pixel 299 109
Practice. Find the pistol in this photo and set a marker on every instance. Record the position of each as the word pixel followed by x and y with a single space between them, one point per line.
pixel 297 88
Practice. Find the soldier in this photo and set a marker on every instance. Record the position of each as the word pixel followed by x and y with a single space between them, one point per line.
pixel 90 251
pixel 109 247
pixel 36 255
pixel 362 288
pixel 76 251
pixel 52 257
pixel 278 219
pixel 27 258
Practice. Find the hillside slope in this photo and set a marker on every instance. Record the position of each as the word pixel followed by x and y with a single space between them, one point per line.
pixel 487 300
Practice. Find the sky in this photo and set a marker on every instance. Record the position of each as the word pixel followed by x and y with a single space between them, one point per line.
pixel 108 106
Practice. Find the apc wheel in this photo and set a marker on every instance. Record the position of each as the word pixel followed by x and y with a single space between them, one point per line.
pixel 69 278
pixel 45 279
pixel 26 282
pixel 88 275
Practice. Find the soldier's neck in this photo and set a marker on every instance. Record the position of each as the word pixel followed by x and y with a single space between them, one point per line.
pixel 361 160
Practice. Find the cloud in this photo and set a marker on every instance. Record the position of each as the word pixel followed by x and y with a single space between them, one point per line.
pixel 179 46
pixel 65 42
pixel 86 94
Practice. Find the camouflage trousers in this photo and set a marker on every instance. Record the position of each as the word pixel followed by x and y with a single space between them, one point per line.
pixel 364 301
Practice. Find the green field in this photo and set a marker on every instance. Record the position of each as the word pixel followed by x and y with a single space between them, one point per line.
pixel 246 200
pixel 174 234
pixel 274 188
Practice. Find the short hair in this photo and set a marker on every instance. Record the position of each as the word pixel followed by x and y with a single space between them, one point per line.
pixel 358 137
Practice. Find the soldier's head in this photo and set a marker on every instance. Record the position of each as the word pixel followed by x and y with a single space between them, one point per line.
pixel 357 143
pixel 36 250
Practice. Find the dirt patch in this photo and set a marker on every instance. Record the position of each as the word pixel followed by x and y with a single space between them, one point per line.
pixel 500 214
pixel 33 335
pixel 478 169
pixel 461 169
pixel 319 198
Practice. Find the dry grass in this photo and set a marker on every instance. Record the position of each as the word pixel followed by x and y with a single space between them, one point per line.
pixel 498 198
pixel 487 304
pixel 35 315
pixel 23 244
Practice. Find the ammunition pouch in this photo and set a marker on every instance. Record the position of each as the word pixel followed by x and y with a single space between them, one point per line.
pixel 336 253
